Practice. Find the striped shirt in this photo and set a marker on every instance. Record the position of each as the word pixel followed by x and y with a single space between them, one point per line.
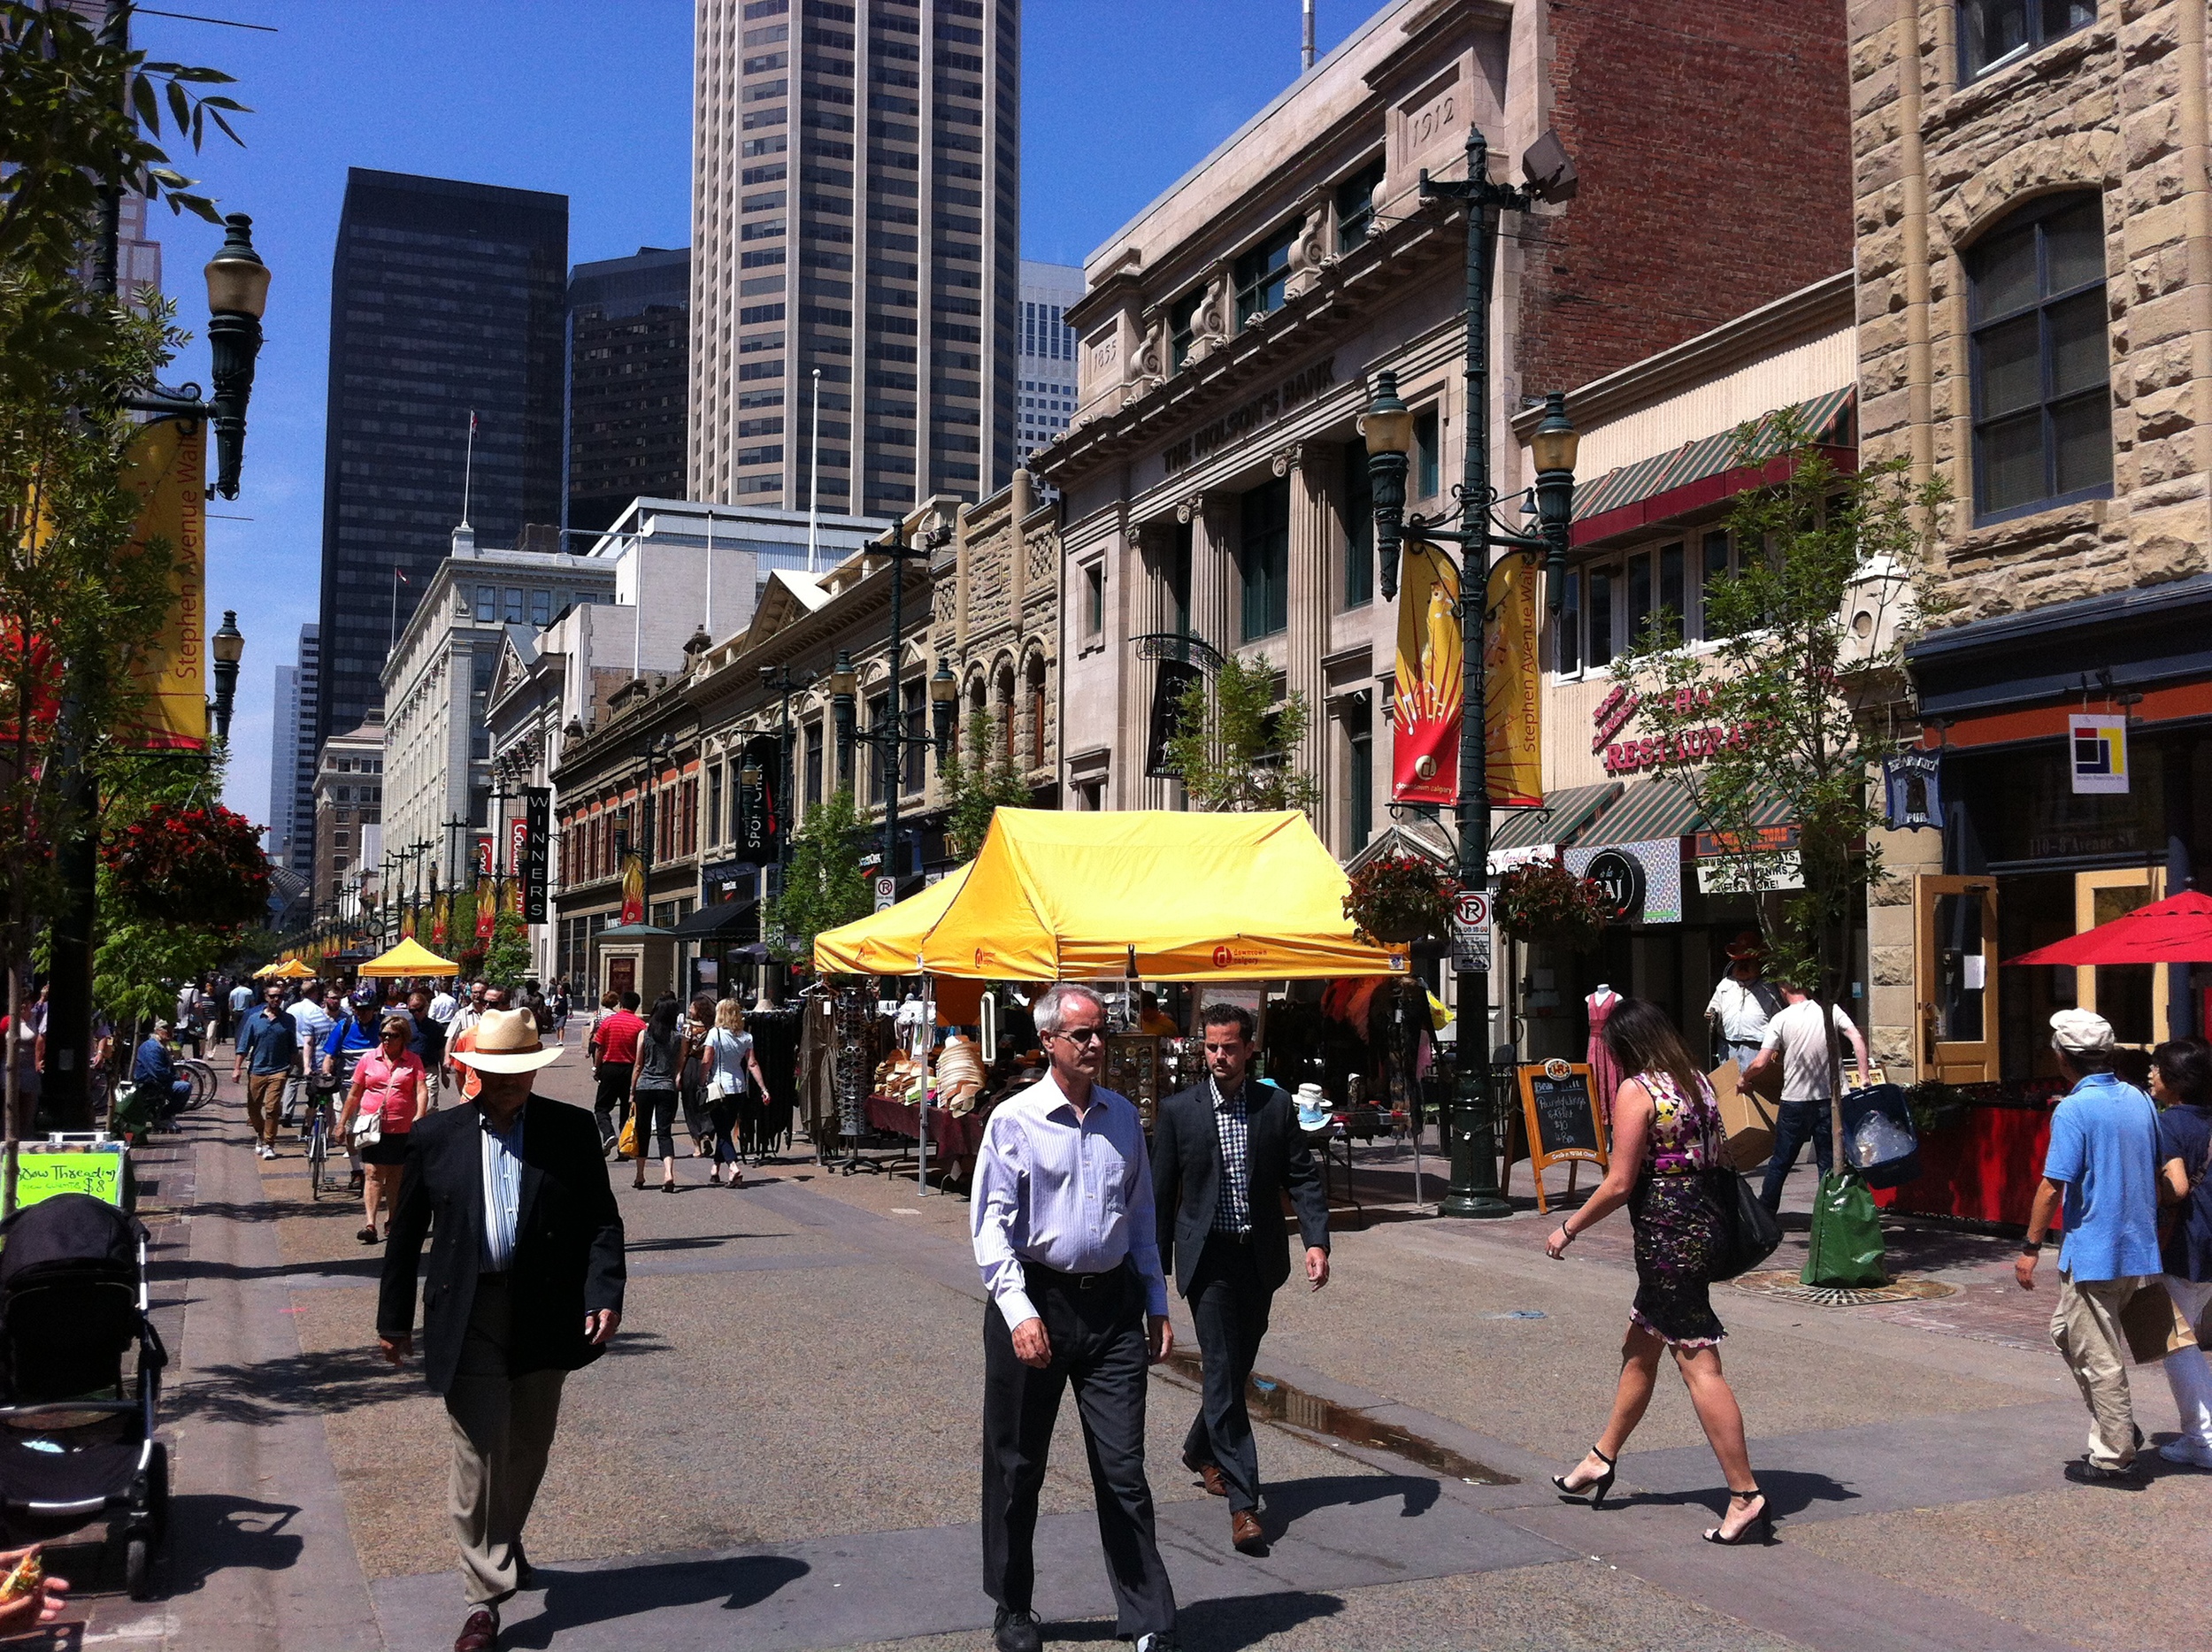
pixel 1233 1212
pixel 502 1191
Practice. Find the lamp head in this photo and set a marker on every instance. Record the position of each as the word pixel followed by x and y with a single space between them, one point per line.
pixel 237 280
pixel 1553 445
pixel 1387 424
pixel 942 690
pixel 843 679
pixel 768 679
pixel 749 775
pixel 229 643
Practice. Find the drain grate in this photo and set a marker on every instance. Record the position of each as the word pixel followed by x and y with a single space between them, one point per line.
pixel 1783 1284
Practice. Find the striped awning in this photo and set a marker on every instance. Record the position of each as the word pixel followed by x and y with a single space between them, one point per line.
pixel 1564 813
pixel 1827 419
pixel 1645 810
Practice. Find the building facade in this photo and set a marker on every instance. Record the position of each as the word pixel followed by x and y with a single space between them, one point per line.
pixel 1046 366
pixel 856 215
pixel 349 813
pixel 629 383
pixel 1214 485
pixel 292 760
pixel 447 378
pixel 2035 329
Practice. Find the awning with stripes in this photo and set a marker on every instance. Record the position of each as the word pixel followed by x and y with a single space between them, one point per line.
pixel 1663 806
pixel 1699 472
pixel 1564 813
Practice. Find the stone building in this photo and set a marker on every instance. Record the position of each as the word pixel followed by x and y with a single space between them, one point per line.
pixel 2035 321
pixel 349 813
pixel 1214 484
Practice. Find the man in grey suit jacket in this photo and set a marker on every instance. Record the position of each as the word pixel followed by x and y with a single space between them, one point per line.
pixel 1223 1153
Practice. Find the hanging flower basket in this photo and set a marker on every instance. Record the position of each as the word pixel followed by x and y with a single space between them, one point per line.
pixel 196 866
pixel 1395 899
pixel 1544 904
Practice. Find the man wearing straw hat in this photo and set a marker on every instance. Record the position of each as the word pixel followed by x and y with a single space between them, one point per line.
pixel 524 1286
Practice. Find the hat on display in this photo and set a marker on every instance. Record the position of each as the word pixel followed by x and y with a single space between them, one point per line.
pixel 1747 946
pixel 506 1041
pixel 1313 1107
pixel 2084 1032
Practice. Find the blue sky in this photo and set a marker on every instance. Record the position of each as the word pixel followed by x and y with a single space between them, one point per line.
pixel 1120 97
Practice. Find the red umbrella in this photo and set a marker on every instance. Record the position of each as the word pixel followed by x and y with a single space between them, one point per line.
pixel 2176 930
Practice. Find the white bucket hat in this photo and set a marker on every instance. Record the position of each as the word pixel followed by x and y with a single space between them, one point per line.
pixel 506 1041
pixel 2082 1031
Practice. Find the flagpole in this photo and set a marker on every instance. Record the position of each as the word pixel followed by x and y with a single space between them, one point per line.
pixel 468 468
pixel 391 641
pixel 814 475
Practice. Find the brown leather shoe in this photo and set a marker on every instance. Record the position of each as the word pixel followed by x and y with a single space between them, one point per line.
pixel 479 1632
pixel 1210 1473
pixel 1245 1533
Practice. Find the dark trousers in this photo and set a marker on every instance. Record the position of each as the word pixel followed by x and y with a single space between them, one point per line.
pixel 656 1125
pixel 614 1090
pixel 1098 1345
pixel 1230 1306
pixel 1794 1124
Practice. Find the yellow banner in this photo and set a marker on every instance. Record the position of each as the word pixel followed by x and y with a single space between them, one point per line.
pixel 1430 682
pixel 169 474
pixel 1512 691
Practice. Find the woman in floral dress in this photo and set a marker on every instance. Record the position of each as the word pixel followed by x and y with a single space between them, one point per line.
pixel 1666 1130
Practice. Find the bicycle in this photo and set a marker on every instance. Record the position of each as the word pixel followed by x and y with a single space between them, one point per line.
pixel 318 1143
pixel 202 1077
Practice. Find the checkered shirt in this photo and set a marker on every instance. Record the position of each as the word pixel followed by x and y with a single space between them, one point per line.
pixel 1232 1211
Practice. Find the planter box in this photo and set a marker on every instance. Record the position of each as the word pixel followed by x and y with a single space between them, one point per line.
pixel 1985 1168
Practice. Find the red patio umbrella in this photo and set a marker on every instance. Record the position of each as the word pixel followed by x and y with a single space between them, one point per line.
pixel 2176 930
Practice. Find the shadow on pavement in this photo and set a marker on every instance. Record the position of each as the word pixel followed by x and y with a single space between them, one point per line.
pixel 213 1532
pixel 1221 1625
pixel 692 1241
pixel 573 1598
pixel 260 1395
pixel 1291 1501
pixel 1787 1490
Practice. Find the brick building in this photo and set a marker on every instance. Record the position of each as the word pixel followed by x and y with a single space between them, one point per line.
pixel 2035 327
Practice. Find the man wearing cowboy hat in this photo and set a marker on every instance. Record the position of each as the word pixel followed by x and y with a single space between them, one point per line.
pixel 524 1286
pixel 1223 1153
pixel 1742 1003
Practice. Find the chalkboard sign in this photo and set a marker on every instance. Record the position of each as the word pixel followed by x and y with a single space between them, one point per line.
pixel 1561 1120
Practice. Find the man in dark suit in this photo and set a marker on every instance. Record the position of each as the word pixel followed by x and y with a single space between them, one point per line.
pixel 1223 1153
pixel 524 1286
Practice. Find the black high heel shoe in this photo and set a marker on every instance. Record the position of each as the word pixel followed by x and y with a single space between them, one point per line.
pixel 1593 1490
pixel 1760 1523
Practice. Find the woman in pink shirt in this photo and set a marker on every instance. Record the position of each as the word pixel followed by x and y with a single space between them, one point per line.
pixel 391 1086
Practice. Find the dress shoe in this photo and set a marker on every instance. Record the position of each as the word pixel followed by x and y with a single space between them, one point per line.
pixel 1159 1640
pixel 1210 1473
pixel 479 1632
pixel 2082 1471
pixel 1015 1632
pixel 1245 1533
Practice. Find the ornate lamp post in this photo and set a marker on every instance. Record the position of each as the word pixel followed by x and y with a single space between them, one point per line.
pixel 229 645
pixel 1388 429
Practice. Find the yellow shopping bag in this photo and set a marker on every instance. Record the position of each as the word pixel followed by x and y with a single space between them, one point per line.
pixel 626 1144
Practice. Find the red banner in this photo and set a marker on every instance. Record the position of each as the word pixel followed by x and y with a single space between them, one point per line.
pixel 633 888
pixel 1424 708
pixel 486 911
pixel 517 846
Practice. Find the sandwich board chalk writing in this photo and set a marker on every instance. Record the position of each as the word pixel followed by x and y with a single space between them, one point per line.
pixel 1560 1122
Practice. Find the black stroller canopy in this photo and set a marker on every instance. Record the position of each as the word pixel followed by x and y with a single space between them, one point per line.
pixel 70 1233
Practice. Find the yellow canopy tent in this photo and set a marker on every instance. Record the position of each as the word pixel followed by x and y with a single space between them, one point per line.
pixel 290 970
pixel 887 942
pixel 409 957
pixel 1155 894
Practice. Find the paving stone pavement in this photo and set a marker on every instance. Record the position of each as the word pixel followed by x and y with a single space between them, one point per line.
pixel 781 1452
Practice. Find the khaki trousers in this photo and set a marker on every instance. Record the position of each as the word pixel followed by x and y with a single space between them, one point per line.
pixel 502 1432
pixel 2086 1328
pixel 264 1104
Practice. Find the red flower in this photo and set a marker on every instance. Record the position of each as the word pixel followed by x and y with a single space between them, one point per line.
pixel 188 866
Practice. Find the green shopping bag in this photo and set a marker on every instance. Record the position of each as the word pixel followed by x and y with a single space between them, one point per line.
pixel 1846 1247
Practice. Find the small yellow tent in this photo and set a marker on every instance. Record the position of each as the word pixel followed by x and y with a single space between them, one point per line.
pixel 1156 894
pixel 409 957
pixel 290 970
pixel 887 942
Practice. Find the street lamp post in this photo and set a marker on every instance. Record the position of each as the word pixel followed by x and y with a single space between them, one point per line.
pixel 1388 430
pixel 778 679
pixel 229 645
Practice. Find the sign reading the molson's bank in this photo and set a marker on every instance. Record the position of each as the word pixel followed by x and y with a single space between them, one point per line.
pixel 1263 409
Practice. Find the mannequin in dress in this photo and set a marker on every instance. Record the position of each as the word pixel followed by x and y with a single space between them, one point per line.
pixel 1605 1077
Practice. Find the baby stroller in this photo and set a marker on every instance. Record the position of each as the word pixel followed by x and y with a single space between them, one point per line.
pixel 76 1438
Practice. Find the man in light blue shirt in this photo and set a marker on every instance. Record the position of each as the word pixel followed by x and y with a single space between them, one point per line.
pixel 2103 1162
pixel 1070 1251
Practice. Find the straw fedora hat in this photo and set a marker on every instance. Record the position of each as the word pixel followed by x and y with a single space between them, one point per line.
pixel 507 1042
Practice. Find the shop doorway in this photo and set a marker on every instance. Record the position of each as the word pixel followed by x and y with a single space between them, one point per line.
pixel 621 974
pixel 2132 996
pixel 1956 987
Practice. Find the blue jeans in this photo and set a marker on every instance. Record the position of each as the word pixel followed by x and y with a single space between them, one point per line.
pixel 1794 1124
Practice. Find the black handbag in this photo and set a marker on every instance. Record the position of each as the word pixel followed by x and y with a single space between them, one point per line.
pixel 1747 1233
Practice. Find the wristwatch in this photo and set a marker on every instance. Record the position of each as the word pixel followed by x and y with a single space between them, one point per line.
pixel 2030 1247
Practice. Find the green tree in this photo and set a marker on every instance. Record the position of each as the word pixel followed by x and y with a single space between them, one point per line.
pixel 1235 749
pixel 977 787
pixel 507 959
pixel 824 886
pixel 1795 698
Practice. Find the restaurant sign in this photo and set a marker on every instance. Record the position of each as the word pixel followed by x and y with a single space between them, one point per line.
pixel 1627 756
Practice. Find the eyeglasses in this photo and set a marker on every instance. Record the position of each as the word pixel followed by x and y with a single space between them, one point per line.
pixel 1080 1034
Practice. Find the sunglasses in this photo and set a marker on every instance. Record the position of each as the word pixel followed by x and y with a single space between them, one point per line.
pixel 1080 1034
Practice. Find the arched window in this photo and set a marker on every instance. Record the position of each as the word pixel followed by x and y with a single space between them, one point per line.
pixel 2041 366
pixel 1036 714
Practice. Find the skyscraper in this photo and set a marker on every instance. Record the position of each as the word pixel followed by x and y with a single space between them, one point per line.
pixel 292 759
pixel 855 211
pixel 446 306
pixel 628 342
pixel 1045 387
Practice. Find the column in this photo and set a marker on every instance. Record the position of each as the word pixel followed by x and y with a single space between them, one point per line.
pixel 1312 525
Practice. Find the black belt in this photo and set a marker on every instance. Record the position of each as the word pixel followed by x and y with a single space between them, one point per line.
pixel 1038 1274
pixel 1235 1235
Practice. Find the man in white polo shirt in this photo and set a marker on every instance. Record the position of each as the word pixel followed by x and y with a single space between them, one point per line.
pixel 1796 1043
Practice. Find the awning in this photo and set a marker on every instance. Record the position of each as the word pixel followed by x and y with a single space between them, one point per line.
pixel 1564 813
pixel 887 942
pixel 1645 810
pixel 409 957
pixel 635 931
pixel 717 919
pixel 1698 473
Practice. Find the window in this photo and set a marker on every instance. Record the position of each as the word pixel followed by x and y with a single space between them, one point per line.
pixel 1994 33
pixel 1179 581
pixel 514 604
pixel 1713 572
pixel 1566 655
pixel 814 762
pixel 1036 722
pixel 1356 205
pixel 487 603
pixel 1261 273
pixel 1264 561
pixel 2042 375
pixel 1094 599
pixel 1182 322
pixel 879 723
pixel 1639 587
pixel 1359 528
pixel 916 705
pixel 1598 589
pixel 541 607
pixel 1670 592
pixel 1426 468
pixel 714 805
pixel 1359 793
